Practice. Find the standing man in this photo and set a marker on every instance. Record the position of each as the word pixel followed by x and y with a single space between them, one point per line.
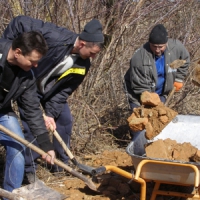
pixel 150 67
pixel 59 74
pixel 17 79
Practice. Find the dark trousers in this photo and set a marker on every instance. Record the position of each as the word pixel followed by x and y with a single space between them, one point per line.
pixel 64 128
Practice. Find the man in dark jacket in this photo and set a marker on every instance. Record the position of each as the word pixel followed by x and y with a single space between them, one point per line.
pixel 59 74
pixel 17 57
pixel 150 70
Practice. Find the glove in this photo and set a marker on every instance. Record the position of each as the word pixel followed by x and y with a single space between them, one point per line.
pixel 178 85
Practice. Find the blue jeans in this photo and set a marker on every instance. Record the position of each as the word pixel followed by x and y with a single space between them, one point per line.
pixel 64 128
pixel 14 166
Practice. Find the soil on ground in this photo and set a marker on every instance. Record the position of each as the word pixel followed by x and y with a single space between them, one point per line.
pixel 111 186
pixel 153 116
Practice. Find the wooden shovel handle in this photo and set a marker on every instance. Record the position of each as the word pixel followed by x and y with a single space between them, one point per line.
pixel 60 140
pixel 170 96
pixel 64 146
pixel 87 181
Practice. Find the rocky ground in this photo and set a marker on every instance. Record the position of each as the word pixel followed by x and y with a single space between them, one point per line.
pixel 154 116
pixel 110 186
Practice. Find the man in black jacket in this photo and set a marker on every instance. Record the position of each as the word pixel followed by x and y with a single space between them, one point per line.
pixel 59 74
pixel 17 80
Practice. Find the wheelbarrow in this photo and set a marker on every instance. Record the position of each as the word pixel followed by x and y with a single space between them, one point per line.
pixel 163 171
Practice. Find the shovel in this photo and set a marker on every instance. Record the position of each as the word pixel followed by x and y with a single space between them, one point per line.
pixel 84 168
pixel 87 181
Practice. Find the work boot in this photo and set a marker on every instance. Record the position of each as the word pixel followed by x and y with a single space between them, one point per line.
pixel 30 177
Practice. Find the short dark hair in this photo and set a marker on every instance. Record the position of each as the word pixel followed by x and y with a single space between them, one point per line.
pixel 29 41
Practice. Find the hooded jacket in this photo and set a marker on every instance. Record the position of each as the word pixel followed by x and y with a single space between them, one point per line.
pixel 60 42
pixel 24 86
pixel 142 74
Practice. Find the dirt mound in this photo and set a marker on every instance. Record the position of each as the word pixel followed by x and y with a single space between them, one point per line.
pixel 171 150
pixel 153 115
pixel 111 186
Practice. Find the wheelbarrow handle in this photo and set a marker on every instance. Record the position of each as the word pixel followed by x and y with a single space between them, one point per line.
pixel 125 174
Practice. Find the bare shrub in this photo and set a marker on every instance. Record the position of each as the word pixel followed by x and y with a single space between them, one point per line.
pixel 100 106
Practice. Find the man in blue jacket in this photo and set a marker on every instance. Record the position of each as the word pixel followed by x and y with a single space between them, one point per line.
pixel 59 74
pixel 17 79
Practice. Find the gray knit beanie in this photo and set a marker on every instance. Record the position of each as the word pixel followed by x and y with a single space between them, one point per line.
pixel 92 32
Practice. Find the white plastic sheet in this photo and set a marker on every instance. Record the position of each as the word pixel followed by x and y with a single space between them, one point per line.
pixel 38 191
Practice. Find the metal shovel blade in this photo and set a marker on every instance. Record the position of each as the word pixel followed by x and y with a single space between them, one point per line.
pixel 38 191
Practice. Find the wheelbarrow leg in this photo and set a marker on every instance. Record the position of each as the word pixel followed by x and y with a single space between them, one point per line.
pixel 155 189
pixel 143 189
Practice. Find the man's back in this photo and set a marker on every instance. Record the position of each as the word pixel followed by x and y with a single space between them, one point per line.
pixel 59 40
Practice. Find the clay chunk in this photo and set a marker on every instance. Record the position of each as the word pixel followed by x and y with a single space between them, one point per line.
pixel 138 124
pixel 177 63
pixel 149 98
pixel 196 73
pixel 153 117
pixel 149 134
pixel 132 117
pixel 164 119
pixel 196 157
pixel 156 150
